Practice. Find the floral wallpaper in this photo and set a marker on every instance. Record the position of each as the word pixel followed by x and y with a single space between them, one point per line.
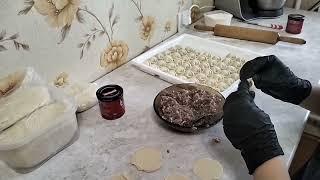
pixel 82 39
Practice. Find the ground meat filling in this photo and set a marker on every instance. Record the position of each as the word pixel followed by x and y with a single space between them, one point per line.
pixel 185 107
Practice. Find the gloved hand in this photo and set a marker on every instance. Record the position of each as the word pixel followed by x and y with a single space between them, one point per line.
pixel 249 129
pixel 274 78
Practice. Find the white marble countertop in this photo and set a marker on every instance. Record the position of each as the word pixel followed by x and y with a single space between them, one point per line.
pixel 105 147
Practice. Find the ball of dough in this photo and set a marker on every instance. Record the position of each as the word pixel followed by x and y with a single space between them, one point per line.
pixel 208 169
pixel 176 177
pixel 147 159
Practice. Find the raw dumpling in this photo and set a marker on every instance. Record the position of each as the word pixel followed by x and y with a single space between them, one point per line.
pixel 201 77
pixel 164 69
pixel 168 59
pixel 216 69
pixel 189 74
pixel 187 65
pixel 196 69
pixel 180 70
pixel 171 66
pixel 161 63
pixel 195 62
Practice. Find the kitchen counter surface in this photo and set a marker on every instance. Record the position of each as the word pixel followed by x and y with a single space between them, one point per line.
pixel 105 147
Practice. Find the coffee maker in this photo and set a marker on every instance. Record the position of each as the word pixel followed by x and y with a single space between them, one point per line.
pixel 252 9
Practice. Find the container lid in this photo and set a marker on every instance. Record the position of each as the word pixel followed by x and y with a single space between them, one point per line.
pixel 109 93
pixel 297 17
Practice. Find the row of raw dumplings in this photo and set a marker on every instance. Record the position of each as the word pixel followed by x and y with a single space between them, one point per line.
pixel 204 68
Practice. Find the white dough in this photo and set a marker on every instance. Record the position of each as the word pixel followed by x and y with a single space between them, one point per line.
pixel 147 159
pixel 21 103
pixel 176 177
pixel 29 127
pixel 208 169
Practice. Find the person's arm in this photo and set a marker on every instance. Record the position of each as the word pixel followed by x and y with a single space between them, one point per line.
pixel 250 130
pixel 312 102
pixel 273 169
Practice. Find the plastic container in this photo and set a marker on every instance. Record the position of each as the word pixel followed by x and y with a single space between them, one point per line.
pixel 217 17
pixel 28 152
pixel 111 101
pixel 295 23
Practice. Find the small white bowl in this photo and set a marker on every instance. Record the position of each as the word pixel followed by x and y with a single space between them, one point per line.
pixel 217 17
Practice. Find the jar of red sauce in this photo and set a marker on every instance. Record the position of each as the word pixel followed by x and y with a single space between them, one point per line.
pixel 111 101
pixel 295 23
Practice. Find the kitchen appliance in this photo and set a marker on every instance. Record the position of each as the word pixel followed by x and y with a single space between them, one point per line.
pixel 252 9
pixel 249 34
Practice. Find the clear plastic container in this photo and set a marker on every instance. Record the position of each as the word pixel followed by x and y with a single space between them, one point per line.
pixel 28 152
pixel 217 17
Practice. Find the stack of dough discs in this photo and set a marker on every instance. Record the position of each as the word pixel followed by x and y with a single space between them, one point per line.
pixel 147 159
pixel 208 169
pixel 176 177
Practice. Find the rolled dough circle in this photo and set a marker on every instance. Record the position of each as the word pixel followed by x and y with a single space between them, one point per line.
pixel 208 169
pixel 121 177
pixel 176 177
pixel 147 159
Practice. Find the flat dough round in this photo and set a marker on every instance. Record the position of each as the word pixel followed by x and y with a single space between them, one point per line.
pixel 208 169
pixel 176 177
pixel 147 159
pixel 121 177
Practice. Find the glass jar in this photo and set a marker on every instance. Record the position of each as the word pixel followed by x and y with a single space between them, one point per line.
pixel 295 23
pixel 111 101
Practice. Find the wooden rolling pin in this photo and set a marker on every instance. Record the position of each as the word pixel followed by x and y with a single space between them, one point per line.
pixel 249 34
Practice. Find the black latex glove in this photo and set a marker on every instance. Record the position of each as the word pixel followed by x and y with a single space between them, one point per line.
pixel 274 78
pixel 249 129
